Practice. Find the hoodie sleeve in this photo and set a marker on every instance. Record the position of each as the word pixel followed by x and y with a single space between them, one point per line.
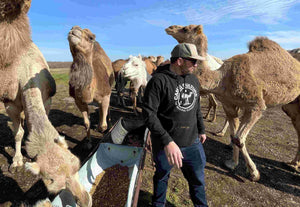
pixel 200 123
pixel 152 99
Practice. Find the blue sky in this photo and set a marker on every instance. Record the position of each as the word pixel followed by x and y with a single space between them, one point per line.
pixel 132 27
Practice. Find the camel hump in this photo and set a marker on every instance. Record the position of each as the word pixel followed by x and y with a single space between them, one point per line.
pixel 263 44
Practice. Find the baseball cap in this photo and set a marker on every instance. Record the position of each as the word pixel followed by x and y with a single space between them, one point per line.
pixel 186 50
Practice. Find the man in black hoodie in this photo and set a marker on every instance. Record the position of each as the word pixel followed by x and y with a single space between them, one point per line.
pixel 172 113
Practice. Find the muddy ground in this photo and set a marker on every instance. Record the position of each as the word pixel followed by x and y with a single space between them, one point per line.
pixel 271 144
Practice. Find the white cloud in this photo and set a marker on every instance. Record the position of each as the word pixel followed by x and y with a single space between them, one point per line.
pixel 285 37
pixel 267 12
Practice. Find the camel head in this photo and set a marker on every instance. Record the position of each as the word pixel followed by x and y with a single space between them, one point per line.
pixel 58 168
pixel 135 67
pixel 160 60
pixel 10 9
pixel 81 41
pixel 189 34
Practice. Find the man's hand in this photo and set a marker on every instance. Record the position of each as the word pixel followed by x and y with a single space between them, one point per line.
pixel 173 154
pixel 202 138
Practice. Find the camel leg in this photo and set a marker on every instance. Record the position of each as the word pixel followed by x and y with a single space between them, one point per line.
pixel 103 112
pixel 14 112
pixel 212 105
pixel 222 132
pixel 233 120
pixel 84 109
pixel 293 111
pixel 249 118
pixel 133 98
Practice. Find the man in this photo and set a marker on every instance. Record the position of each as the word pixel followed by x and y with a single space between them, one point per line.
pixel 172 113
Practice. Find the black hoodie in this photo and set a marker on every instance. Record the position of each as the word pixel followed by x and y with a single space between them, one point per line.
pixel 172 108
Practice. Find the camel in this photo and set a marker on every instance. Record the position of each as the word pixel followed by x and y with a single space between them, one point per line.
pixel 91 76
pixel 135 69
pixel 27 86
pixel 150 66
pixel 295 53
pixel 264 77
pixel 156 60
pixel 194 34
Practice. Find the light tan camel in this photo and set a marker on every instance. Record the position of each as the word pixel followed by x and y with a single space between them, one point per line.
pixel 27 85
pixel 91 75
pixel 194 34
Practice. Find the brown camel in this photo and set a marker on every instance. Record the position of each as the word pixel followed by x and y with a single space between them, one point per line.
pixel 266 76
pixel 91 75
pixel 194 34
pixel 27 85
pixel 295 53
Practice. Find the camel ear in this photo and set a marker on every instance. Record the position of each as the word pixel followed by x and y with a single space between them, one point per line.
pixel 33 167
pixel 199 29
pixel 140 57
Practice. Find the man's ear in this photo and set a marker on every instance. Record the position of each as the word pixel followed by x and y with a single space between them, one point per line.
pixel 180 61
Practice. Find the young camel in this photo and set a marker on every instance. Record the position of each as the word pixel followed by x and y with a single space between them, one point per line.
pixel 27 85
pixel 135 69
pixel 91 75
pixel 194 34
pixel 264 77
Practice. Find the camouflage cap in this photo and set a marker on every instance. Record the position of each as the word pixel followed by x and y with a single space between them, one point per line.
pixel 186 50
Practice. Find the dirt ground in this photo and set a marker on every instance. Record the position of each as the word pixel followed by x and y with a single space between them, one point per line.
pixel 271 144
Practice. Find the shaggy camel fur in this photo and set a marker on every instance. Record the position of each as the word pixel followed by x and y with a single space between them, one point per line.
pixel 91 75
pixel 266 76
pixel 27 85
pixel 194 34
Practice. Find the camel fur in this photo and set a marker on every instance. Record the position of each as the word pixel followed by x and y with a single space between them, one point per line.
pixel 194 34
pixel 91 76
pixel 27 86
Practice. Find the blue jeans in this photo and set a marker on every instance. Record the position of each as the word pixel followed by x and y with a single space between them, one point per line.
pixel 192 168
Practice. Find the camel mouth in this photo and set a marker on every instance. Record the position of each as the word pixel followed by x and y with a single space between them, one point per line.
pixel 74 36
pixel 169 31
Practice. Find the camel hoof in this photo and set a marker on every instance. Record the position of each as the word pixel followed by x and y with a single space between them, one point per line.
pixel 14 168
pixel 255 177
pixel 230 164
pixel 102 129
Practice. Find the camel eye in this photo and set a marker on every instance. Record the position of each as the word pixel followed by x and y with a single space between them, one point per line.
pixel 184 29
pixel 91 38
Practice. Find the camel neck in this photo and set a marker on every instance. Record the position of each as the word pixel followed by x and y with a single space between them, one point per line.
pixel 208 79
